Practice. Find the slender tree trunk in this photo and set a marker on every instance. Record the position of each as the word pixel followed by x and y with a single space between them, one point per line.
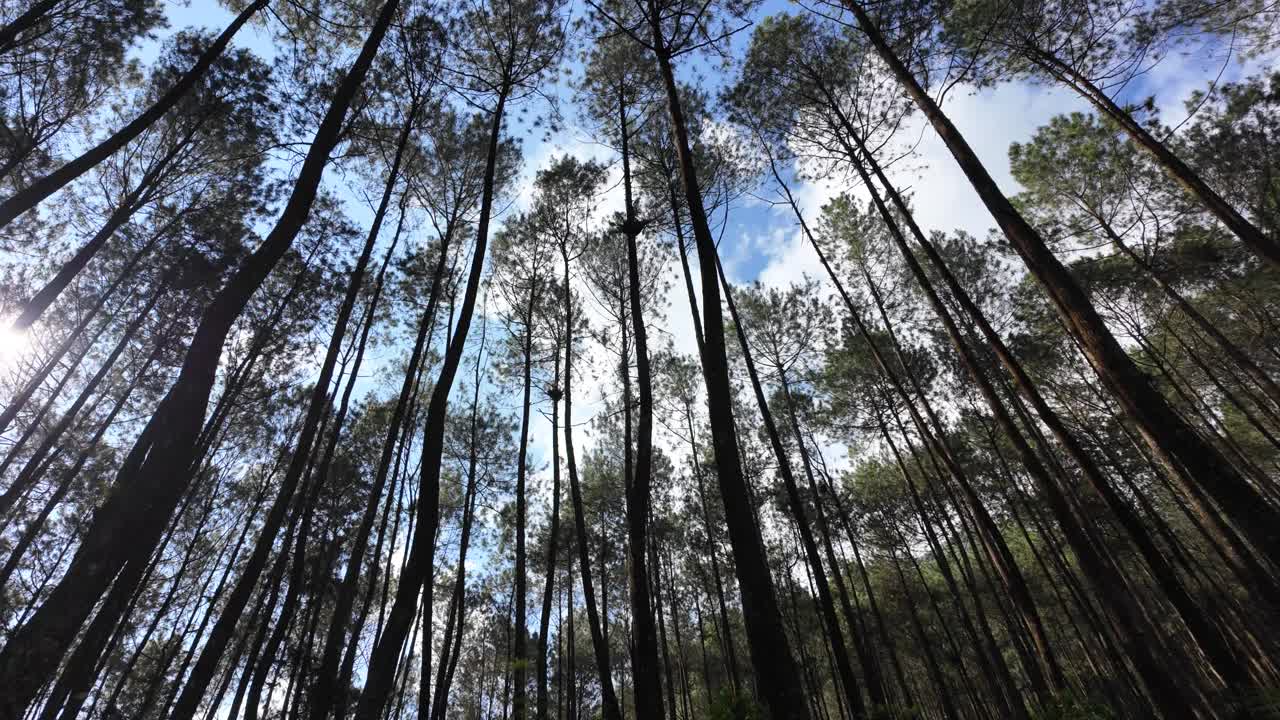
pixel 1108 584
pixel 34 383
pixel 553 542
pixel 992 541
pixel 1195 463
pixel 28 475
pixel 520 671
pixel 419 566
pixel 926 647
pixel 327 688
pixel 989 655
pixel 826 604
pixel 609 698
pixel 776 672
pixel 1237 354
pixel 1265 247
pixel 136 198
pixel 318 408
pixel 131 521
pixel 456 617
pixel 644 658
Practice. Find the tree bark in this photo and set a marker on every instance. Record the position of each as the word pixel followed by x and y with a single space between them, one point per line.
pixel 419 565
pixel 131 521
pixel 1197 465
pixel 776 672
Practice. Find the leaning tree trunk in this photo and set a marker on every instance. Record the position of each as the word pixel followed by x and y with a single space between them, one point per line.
pixel 129 524
pixel 1196 464
pixel 992 541
pixel 419 565
pixel 1135 633
pixel 1251 235
pixel 777 676
pixel 826 604
pixel 450 648
pixel 27 20
pixel 319 405
pixel 327 686
pixel 131 204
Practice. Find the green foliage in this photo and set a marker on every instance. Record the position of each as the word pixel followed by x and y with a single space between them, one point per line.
pixel 729 705
pixel 1068 706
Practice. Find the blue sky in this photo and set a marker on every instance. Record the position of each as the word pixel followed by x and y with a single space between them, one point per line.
pixel 761 243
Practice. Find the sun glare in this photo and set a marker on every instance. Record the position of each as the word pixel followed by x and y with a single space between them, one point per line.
pixel 12 345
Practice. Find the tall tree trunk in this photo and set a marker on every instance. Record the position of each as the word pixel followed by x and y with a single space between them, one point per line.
pixel 318 407
pixel 520 671
pixel 826 604
pixel 456 618
pixel 553 542
pixel 644 658
pixel 608 697
pixel 776 672
pixel 1108 584
pixel 132 519
pixel 419 566
pixel 455 621
pixel 327 687
pixel 992 541
pixel 1265 247
pixel 1196 464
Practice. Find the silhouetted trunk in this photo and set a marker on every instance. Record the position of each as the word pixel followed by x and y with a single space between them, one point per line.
pixel 38 191
pixel 133 201
pixel 826 604
pixel 1194 463
pixel 926 647
pixel 1265 247
pixel 420 562
pixel 995 671
pixel 455 622
pixel 993 542
pixel 27 20
pixel 28 474
pixel 318 407
pixel 645 663
pixel 23 396
pixel 609 698
pixel 730 649
pixel 327 687
pixel 776 672
pixel 130 522
pixel 553 542
pixel 1237 354
pixel 1108 584
pixel 450 646
pixel 521 650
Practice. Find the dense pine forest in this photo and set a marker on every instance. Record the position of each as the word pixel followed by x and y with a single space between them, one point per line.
pixel 639 359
